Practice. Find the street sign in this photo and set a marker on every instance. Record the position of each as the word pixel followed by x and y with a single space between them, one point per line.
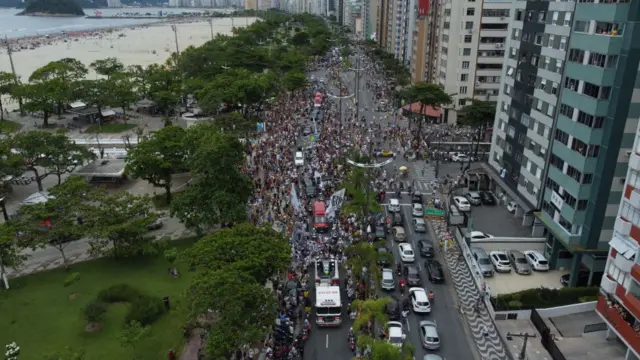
pixel 434 212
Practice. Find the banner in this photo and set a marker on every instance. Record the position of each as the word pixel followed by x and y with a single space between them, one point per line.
pixel 423 8
pixel 377 165
pixel 295 202
pixel 334 203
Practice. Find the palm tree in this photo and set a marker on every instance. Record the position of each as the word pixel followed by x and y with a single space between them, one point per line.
pixel 478 115
pixel 427 95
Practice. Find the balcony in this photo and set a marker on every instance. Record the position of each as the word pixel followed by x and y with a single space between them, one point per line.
pixel 623 263
pixel 613 315
pixel 622 226
pixel 608 285
pixel 634 198
pixel 634 161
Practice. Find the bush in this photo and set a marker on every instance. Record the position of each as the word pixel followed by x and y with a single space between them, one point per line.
pixel 541 298
pixel 144 308
pixel 94 311
pixel 71 279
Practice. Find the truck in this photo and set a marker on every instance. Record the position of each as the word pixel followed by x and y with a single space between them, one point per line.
pixel 328 306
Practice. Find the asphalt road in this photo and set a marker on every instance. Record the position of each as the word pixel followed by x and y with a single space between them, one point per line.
pixel 456 342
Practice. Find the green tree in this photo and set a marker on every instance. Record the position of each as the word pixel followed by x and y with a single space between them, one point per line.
pixel 235 123
pixel 107 67
pixel 365 255
pixel 140 81
pixel 427 95
pixel 157 157
pixel 61 79
pixel 295 81
pixel 371 313
pixel 358 187
pixel 300 39
pixel 37 99
pixel 7 82
pixel 219 190
pixel 383 350
pixel 67 353
pixel 53 151
pixel 58 221
pixel 259 252
pixel 244 308
pixel 131 336
pixel 477 115
pixel 97 93
pixel 11 248
pixel 164 87
pixel 123 93
pixel 118 223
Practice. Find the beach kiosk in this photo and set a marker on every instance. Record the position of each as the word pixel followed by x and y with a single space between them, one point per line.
pixel 108 172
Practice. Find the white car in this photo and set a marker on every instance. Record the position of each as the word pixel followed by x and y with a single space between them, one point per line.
pixel 462 204
pixel 394 205
pixel 396 334
pixel 419 300
pixel 299 159
pixel 500 261
pixel 459 158
pixel 406 253
pixel 537 261
pixel 512 206
pixel 479 235
pixel 417 210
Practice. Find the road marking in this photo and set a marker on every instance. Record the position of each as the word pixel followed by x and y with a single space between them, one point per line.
pixel 385 205
pixel 406 320
pixel 327 341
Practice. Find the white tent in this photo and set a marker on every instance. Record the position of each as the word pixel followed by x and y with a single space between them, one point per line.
pixel 37 198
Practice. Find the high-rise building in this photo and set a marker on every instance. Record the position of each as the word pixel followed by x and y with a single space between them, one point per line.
pixel 426 37
pixel 382 23
pixel 251 4
pixel 114 3
pixel 175 3
pixel 472 48
pixel 566 121
pixel 619 306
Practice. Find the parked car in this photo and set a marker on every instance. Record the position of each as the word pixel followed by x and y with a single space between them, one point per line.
pixel 406 253
pixel 487 198
pixel 393 309
pixel 500 261
pixel 395 333
pixel 416 197
pixel 419 225
pixel 512 206
pixel 434 271
pixel 461 203
pixel 417 210
pixel 425 248
pixel 483 261
pixel 412 275
pixel 380 232
pixel 537 261
pixel 474 198
pixel 459 158
pixel 396 219
pixel 479 235
pixel 398 234
pixel 429 334
pixel 155 225
pixel 519 262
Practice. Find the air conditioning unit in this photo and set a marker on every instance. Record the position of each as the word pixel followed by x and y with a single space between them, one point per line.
pixel 628 153
pixel 622 180
pixel 502 17
pixel 469 31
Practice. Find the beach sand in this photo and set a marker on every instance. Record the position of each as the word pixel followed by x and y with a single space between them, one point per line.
pixel 132 46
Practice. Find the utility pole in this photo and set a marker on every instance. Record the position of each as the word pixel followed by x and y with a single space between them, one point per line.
pixel 525 336
pixel 210 27
pixel 13 71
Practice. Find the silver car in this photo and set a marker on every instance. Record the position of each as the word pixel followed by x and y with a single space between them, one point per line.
pixel 419 225
pixel 483 261
pixel 519 262
pixel 429 335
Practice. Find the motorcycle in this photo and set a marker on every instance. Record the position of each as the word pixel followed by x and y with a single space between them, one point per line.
pixel 352 342
pixel 399 270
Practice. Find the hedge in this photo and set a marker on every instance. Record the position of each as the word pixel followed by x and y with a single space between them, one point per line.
pixel 541 298
pixel 144 308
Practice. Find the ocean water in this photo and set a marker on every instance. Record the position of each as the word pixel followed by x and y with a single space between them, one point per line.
pixel 18 26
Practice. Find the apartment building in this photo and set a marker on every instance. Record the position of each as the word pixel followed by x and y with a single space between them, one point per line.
pixel 369 18
pixel 114 3
pixel 251 4
pixel 426 37
pixel 566 121
pixel 401 28
pixel 382 23
pixel 619 304
pixel 472 47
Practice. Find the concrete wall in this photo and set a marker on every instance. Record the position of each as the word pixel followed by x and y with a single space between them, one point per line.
pixel 547 313
pixel 520 245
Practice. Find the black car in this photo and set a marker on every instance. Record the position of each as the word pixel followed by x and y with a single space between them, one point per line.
pixel 412 275
pixel 434 271
pixel 487 198
pixel 384 257
pixel 393 310
pixel 583 278
pixel 381 232
pixel 426 249
pixel 416 198
pixel 396 219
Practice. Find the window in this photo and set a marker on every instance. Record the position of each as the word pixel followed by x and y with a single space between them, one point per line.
pixel 471 11
pixel 630 213
pixel 519 15
pixel 581 26
pixel 443 75
pixel 516 34
pixel 634 179
pixel 447 12
pixel 567 110
pixel 574 173
pixel 464 77
pixel 446 25
pixel 465 64
pixel 511 131
pixel 587 178
pixel 550 41
pixel 590 89
pixel 609 29
pixel 554 88
pixel 554 18
pixel 571 84
pixel 550 110
pixel 561 136
pixel 444 49
pixel 462 102
pixel 559 66
pixel 543 84
pixel 466 52
pixel 556 161
pixel 468 25
pixel 598 60
pixel 589 120
pixel 563 43
pixel 567 19
pixel 534 59
pixel 542 16
pixel 468 38
pixel 463 90
pixel 612 61
pixel 576 55
pixel 537 39
pixel 605 93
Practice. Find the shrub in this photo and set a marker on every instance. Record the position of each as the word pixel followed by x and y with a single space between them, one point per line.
pixel 94 311
pixel 71 279
pixel 144 308
pixel 541 298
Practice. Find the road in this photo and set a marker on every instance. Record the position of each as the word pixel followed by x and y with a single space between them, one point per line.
pixel 456 342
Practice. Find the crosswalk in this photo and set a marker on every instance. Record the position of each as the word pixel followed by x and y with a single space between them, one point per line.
pixel 421 178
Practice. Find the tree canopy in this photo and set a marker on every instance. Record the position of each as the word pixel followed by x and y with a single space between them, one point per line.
pixel 53 7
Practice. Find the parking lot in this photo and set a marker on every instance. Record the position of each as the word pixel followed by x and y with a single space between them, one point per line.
pixel 504 283
pixel 497 221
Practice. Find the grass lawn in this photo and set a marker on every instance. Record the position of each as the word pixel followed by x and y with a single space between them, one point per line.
pixel 109 128
pixel 8 126
pixel 38 313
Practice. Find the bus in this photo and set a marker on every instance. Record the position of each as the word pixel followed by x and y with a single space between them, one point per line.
pixel 328 306
pixel 320 216
pixel 317 102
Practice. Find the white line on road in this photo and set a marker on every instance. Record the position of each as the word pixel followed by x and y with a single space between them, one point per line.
pixel 327 343
pixel 406 320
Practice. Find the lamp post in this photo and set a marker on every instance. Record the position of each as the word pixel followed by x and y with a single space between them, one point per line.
pixel 523 352
pixel 210 28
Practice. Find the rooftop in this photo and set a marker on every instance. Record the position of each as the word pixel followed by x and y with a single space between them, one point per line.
pixel 103 168
pixel 497 221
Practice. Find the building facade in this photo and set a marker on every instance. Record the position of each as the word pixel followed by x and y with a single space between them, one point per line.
pixel 251 4
pixel 472 48
pixel 566 122
pixel 425 44
pixel 619 304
